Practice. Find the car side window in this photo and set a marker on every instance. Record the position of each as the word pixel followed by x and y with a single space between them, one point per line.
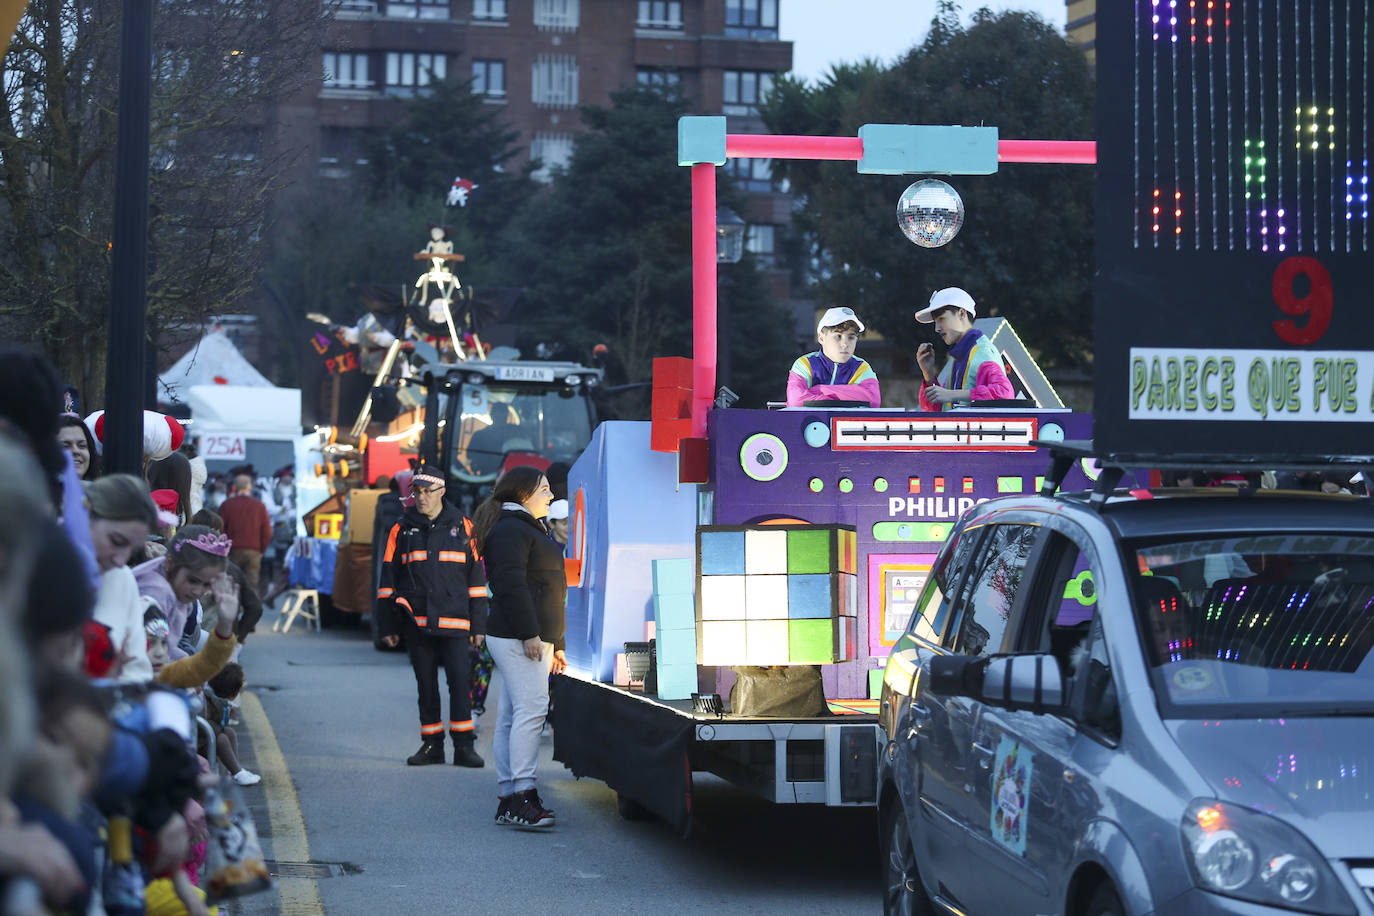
pixel 928 622
pixel 1071 631
pixel 1094 689
pixel 998 569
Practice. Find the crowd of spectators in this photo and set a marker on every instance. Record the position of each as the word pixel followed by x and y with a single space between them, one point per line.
pixel 122 620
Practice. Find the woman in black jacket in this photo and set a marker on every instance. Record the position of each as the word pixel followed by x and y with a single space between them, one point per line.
pixel 525 628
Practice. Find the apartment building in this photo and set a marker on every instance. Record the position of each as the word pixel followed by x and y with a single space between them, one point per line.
pixel 1081 27
pixel 538 60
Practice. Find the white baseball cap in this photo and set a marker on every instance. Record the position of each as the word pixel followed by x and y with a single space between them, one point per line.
pixel 951 295
pixel 558 509
pixel 836 316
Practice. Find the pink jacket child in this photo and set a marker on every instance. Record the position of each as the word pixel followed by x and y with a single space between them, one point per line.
pixel 834 372
pixel 196 557
pixel 974 370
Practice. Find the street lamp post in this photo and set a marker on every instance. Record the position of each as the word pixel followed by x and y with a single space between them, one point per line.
pixel 126 372
pixel 729 249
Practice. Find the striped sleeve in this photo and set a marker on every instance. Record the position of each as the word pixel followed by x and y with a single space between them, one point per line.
pixel 386 585
pixel 865 371
pixel 802 367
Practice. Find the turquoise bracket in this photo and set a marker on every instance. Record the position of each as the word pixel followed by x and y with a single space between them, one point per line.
pixel 701 139
pixel 911 149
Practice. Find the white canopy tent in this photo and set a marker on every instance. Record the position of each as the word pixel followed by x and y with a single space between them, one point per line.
pixel 213 361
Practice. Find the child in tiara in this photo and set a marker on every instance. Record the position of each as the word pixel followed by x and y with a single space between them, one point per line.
pixel 195 558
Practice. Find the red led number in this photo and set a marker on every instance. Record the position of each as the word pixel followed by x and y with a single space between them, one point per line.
pixel 1316 305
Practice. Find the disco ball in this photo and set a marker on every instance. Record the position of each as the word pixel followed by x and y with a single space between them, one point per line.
pixel 930 212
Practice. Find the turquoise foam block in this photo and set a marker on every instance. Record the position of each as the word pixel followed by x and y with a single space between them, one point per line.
pixel 927 149
pixel 701 139
pixel 722 553
pixel 674 577
pixel 809 597
pixel 675 612
pixel 677 682
pixel 676 647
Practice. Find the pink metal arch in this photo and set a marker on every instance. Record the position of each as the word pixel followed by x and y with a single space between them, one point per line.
pixel 782 146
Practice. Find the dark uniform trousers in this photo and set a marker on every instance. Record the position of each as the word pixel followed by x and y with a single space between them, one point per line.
pixel 427 654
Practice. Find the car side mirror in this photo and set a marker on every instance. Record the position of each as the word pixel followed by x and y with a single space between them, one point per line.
pixel 1032 682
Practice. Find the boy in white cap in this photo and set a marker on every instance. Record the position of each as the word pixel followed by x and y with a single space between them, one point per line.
pixel 558 521
pixel 834 373
pixel 974 370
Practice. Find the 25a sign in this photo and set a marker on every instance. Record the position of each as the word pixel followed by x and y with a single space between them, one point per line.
pixel 226 446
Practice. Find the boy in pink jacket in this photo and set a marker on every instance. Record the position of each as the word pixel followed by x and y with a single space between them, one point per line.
pixel 834 373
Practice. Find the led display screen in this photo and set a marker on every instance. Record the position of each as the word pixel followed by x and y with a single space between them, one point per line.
pixel 1233 306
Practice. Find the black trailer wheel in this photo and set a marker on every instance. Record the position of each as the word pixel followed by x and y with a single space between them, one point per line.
pixel 630 809
pixel 903 892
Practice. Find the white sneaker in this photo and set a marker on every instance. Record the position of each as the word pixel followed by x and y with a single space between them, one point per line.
pixel 245 778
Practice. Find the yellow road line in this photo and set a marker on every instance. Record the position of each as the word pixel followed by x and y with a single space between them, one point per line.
pixel 299 896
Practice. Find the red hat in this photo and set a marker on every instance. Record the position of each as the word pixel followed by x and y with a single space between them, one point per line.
pixel 166 500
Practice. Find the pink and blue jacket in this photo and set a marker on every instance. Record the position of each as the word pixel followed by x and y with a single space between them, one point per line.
pixel 815 378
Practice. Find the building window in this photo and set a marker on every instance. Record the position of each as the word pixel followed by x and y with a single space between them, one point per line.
pixel 751 19
pixel 653 76
pixel 417 9
pixel 660 14
pixel 341 149
pixel 489 77
pixel 759 241
pixel 352 9
pixel 345 71
pixel 751 174
pixel 553 81
pixel 744 89
pixel 553 150
pixel 556 15
pixel 407 72
pixel 489 10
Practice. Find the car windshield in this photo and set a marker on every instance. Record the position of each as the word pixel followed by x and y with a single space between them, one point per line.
pixel 497 419
pixel 1278 624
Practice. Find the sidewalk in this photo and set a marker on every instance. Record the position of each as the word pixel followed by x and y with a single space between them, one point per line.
pixel 260 753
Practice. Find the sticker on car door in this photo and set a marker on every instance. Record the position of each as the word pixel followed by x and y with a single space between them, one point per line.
pixel 1011 786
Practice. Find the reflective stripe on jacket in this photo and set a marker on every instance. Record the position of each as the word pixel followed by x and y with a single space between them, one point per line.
pixel 431 574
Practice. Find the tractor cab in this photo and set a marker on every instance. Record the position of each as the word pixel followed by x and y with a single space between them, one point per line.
pixel 492 414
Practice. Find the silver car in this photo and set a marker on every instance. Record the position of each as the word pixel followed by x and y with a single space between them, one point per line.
pixel 1159 704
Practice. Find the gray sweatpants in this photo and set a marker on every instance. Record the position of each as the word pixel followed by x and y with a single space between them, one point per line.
pixel 520 712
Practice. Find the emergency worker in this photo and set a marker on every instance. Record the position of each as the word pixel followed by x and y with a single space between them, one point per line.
pixel 434 589
pixel 974 370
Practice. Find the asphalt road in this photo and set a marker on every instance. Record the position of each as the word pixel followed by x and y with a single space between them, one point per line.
pixel 329 724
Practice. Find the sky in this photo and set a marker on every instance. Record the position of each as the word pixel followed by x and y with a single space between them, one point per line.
pixel 825 32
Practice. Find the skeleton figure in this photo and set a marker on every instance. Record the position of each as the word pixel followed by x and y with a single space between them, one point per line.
pixel 439 251
pixel 439 248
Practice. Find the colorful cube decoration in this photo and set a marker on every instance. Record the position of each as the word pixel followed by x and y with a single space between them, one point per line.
pixel 675 628
pixel 776 594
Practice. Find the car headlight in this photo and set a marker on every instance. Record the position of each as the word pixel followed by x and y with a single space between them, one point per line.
pixel 1241 853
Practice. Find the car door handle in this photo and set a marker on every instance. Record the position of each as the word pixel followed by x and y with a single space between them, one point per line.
pixel 983 755
pixel 918 718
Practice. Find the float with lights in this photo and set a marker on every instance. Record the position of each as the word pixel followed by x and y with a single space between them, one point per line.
pixel 737 576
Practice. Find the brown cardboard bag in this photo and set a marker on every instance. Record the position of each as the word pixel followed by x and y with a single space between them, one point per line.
pixel 793 691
